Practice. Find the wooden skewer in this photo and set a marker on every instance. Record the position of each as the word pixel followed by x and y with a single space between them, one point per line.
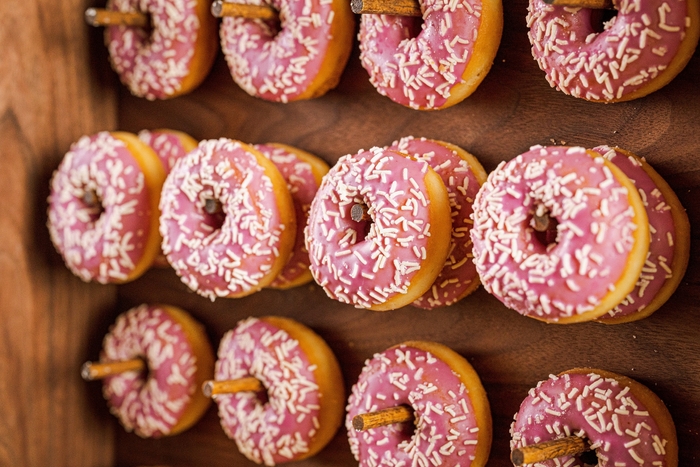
pixel 212 206
pixel 594 4
pixel 360 212
pixel 249 384
pixel 541 222
pixel 367 421
pixel 221 8
pixel 549 450
pixel 102 17
pixel 386 7
pixel 99 370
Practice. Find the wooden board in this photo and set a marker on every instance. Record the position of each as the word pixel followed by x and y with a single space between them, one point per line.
pixel 49 97
pixel 513 109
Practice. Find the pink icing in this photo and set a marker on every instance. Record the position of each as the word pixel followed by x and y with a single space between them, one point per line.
pixel 167 146
pixel 154 65
pixel 150 406
pixel 419 68
pixel 366 269
pixel 445 429
pixel 657 268
pixel 279 64
pixel 599 409
pixel 303 187
pixel 593 241
pixel 635 46
pixel 280 429
pixel 103 243
pixel 219 255
pixel 459 273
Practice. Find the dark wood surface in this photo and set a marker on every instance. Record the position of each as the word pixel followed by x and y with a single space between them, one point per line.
pixel 513 109
pixel 49 96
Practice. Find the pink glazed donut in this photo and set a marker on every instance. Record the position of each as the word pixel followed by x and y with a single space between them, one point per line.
pixel 639 51
pixel 166 399
pixel 462 175
pixel 437 64
pixel 103 207
pixel 670 245
pixel 302 57
pixel 241 246
pixel 393 257
pixel 303 173
pixel 169 145
pixel 169 58
pixel 303 405
pixel 452 418
pixel 601 237
pixel 623 421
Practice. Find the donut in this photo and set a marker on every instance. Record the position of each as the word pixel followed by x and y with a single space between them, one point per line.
pixel 452 419
pixel 392 258
pixel 438 63
pixel 169 145
pixel 640 50
pixel 600 242
pixel 302 405
pixel 103 207
pixel 169 58
pixel 670 239
pixel 164 400
pixel 243 247
pixel 623 421
pixel 462 175
pixel 303 173
pixel 301 57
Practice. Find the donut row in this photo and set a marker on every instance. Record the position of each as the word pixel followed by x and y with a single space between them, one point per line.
pixel 280 397
pixel 297 49
pixel 560 234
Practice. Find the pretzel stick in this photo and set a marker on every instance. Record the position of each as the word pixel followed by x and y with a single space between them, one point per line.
pixel 549 450
pixel 360 212
pixel 102 17
pixel 594 4
pixel 386 7
pixel 367 421
pixel 248 384
pixel 99 370
pixel 220 9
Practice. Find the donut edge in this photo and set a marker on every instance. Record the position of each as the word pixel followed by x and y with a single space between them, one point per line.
pixel 636 258
pixel 653 403
pixel 319 168
pixel 204 355
pixel 475 389
pixel 681 251
pixel 328 377
pixel 154 177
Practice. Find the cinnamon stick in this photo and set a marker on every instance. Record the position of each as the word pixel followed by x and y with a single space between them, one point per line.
pixel 102 17
pixel 221 8
pixel 593 4
pixel 549 450
pixel 99 370
pixel 386 7
pixel 212 388
pixel 367 421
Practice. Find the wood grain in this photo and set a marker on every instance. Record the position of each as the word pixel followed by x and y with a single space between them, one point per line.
pixel 49 96
pixel 513 109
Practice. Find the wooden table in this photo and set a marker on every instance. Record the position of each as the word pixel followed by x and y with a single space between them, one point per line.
pixel 52 322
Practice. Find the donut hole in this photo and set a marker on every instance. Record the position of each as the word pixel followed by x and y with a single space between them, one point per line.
pixel 602 19
pixel 544 226
pixel 92 204
pixel 589 458
pixel 412 26
pixel 359 213
pixel 213 213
